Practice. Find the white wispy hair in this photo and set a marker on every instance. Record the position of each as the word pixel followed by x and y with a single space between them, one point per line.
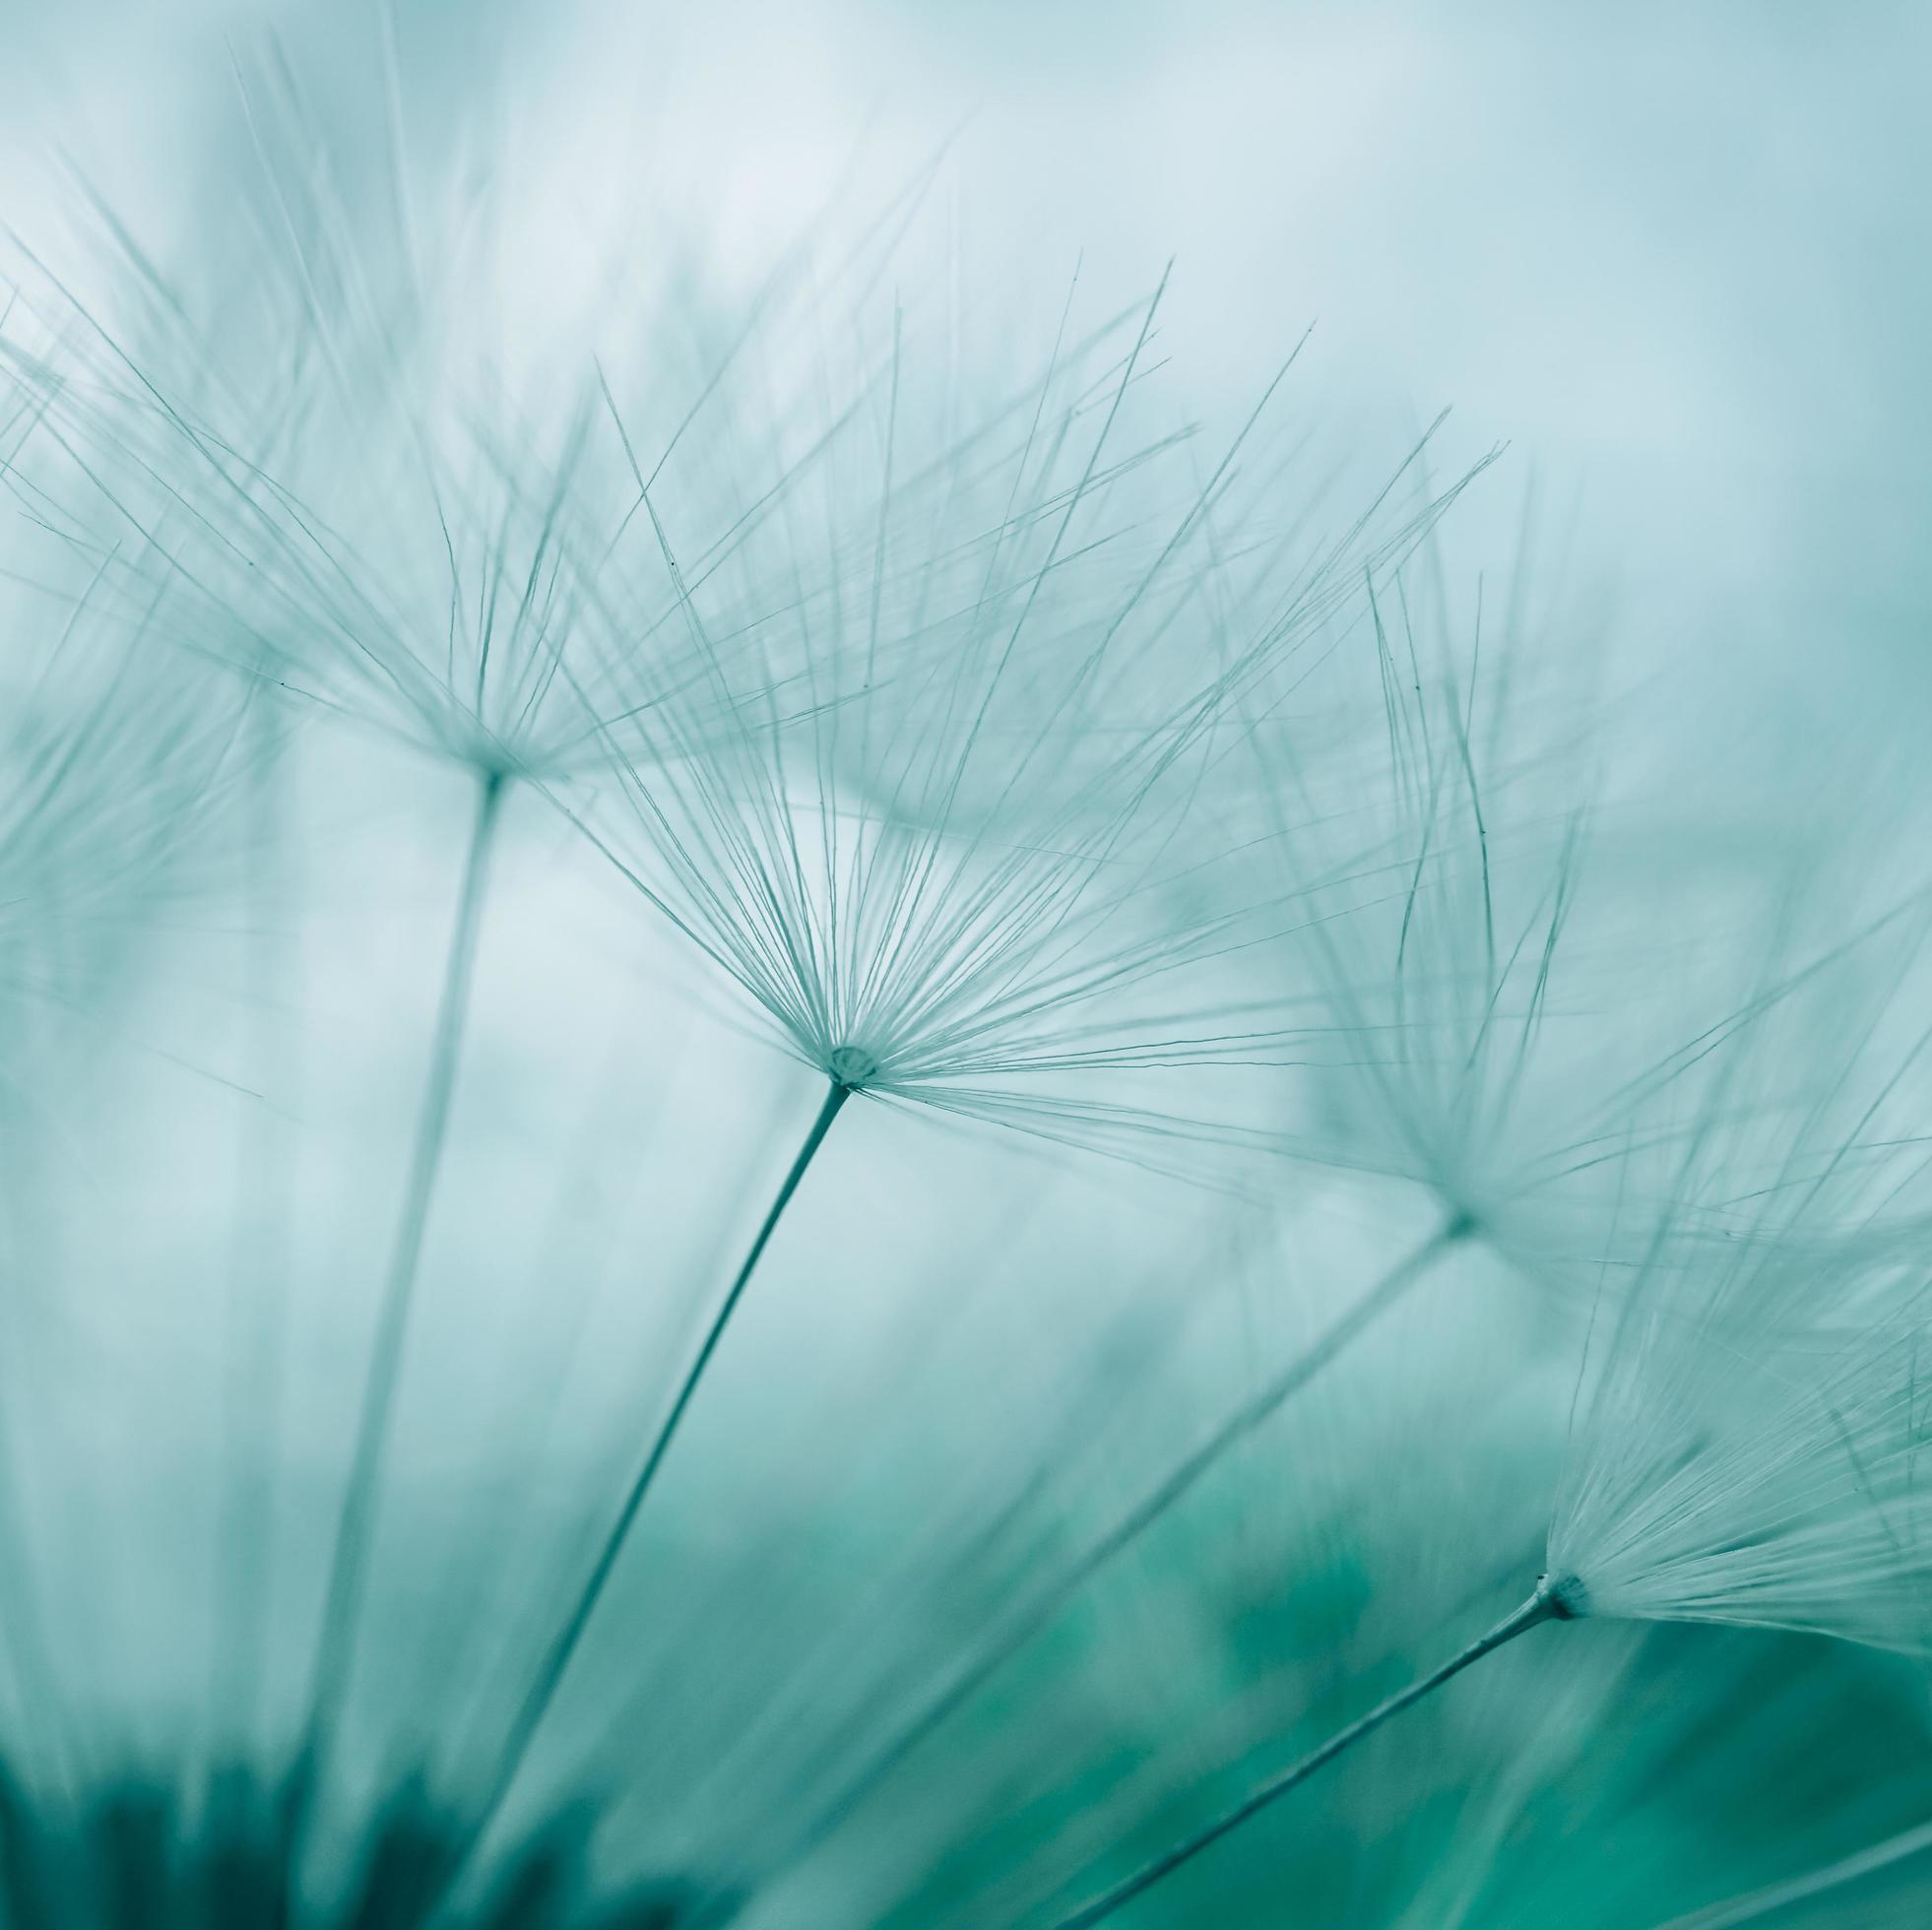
pixel 957 859
pixel 1749 1426
pixel 1437 957
pixel 109 773
pixel 1504 1024
pixel 356 490
pixel 1725 1473
pixel 1748 1423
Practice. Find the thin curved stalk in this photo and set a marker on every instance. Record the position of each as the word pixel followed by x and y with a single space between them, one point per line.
pixel 564 1647
pixel 1544 1605
pixel 24 1645
pixel 258 1283
pixel 1761 1903
pixel 1052 1602
pixel 355 1528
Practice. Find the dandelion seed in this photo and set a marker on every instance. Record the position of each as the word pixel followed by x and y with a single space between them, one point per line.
pixel 1756 1471
pixel 912 950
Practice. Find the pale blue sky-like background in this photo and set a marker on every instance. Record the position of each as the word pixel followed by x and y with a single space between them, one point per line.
pixel 1679 259
pixel 1675 257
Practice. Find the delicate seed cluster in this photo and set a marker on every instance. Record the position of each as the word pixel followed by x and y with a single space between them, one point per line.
pixel 1014 752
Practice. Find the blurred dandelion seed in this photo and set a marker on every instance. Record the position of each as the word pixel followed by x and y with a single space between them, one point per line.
pixel 1735 1460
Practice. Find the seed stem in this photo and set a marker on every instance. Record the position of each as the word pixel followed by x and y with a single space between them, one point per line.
pixel 1545 1604
pixel 355 1529
pixel 258 1287
pixel 563 1648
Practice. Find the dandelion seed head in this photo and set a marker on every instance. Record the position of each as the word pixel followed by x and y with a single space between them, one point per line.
pixel 1748 1430
pixel 1567 1595
pixel 351 489
pixel 966 829
pixel 853 1066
